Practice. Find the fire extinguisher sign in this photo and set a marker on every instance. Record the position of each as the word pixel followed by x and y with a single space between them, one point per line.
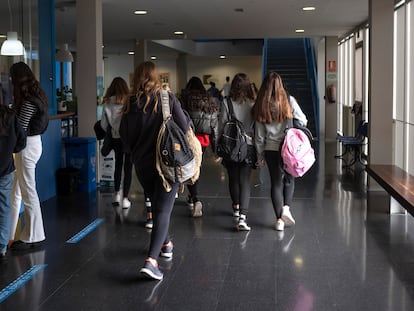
pixel 331 66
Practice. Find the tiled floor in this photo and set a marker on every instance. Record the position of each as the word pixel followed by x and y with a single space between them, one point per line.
pixel 345 252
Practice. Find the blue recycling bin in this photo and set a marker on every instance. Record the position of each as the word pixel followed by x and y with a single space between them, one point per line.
pixel 81 154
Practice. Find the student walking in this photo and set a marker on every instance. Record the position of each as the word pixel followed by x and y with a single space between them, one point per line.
pixel 115 98
pixel 31 106
pixel 12 140
pixel 242 99
pixel 139 129
pixel 203 111
pixel 271 111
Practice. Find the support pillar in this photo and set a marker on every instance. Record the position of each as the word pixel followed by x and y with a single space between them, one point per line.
pixel 89 63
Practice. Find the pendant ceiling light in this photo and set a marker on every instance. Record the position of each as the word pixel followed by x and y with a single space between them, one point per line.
pixel 64 55
pixel 12 46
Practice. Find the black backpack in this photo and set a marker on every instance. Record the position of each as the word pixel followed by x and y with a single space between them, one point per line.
pixel 175 160
pixel 232 142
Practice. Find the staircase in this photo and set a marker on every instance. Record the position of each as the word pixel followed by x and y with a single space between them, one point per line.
pixel 294 61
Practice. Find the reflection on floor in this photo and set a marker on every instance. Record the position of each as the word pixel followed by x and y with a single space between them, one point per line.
pixel 345 252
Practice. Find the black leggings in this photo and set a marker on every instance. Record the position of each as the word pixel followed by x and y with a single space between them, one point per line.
pixel 282 184
pixel 162 203
pixel 122 160
pixel 239 184
pixel 193 189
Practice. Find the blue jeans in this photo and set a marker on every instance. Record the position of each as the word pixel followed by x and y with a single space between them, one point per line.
pixel 6 184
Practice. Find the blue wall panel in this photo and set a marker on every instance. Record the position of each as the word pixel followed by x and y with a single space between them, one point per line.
pixel 50 161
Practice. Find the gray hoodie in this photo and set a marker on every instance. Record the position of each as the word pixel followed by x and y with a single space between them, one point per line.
pixel 269 136
pixel 112 114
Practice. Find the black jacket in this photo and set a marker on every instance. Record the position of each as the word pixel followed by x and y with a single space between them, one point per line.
pixel 201 112
pixel 13 140
pixel 139 129
pixel 39 121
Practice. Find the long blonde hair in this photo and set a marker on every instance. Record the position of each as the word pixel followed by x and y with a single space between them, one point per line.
pixel 146 84
pixel 272 103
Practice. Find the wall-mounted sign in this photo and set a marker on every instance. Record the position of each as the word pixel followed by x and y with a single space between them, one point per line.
pixel 331 76
pixel 331 66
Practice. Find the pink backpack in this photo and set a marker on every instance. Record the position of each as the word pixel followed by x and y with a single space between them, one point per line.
pixel 297 153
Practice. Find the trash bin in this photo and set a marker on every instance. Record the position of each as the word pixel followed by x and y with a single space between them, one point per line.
pixel 81 154
pixel 67 180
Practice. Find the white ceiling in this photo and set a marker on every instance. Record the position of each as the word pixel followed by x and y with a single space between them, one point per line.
pixel 199 20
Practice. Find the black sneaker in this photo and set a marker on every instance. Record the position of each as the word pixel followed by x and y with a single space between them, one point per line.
pixel 24 246
pixel 167 250
pixel 151 271
pixel 3 258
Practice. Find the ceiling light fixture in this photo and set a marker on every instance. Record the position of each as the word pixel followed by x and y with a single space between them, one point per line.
pixel 309 8
pixel 140 12
pixel 64 55
pixel 178 32
pixel 12 46
pixel 299 30
pixel 222 56
pixel 131 53
pixel 153 57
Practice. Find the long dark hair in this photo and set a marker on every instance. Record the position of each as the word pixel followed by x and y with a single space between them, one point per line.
pixel 5 119
pixel 240 88
pixel 196 98
pixel 272 103
pixel 25 85
pixel 119 89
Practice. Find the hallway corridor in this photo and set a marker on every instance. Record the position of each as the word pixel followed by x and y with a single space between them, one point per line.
pixel 345 252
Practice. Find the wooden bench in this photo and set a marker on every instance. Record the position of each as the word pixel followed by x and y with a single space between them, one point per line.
pixel 397 182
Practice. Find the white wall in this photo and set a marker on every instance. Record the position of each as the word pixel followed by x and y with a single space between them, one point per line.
pixel 220 68
pixel 117 66
pixel 122 65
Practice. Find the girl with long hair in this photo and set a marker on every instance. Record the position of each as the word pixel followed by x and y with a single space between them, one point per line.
pixel 271 111
pixel 203 111
pixel 31 107
pixel 139 129
pixel 115 98
pixel 242 99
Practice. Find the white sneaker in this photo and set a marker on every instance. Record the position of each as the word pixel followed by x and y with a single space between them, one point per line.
pixel 198 209
pixel 280 225
pixel 242 225
pixel 287 216
pixel 126 203
pixel 116 199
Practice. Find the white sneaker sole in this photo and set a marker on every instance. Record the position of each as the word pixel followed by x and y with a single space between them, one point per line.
pixel 149 274
pixel 198 210
pixel 288 219
pixel 243 228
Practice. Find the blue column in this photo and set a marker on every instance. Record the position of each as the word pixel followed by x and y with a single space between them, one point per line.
pixel 47 48
pixel 52 140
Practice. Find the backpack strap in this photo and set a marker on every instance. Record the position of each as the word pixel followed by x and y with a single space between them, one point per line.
pixel 289 123
pixel 165 103
pixel 230 107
